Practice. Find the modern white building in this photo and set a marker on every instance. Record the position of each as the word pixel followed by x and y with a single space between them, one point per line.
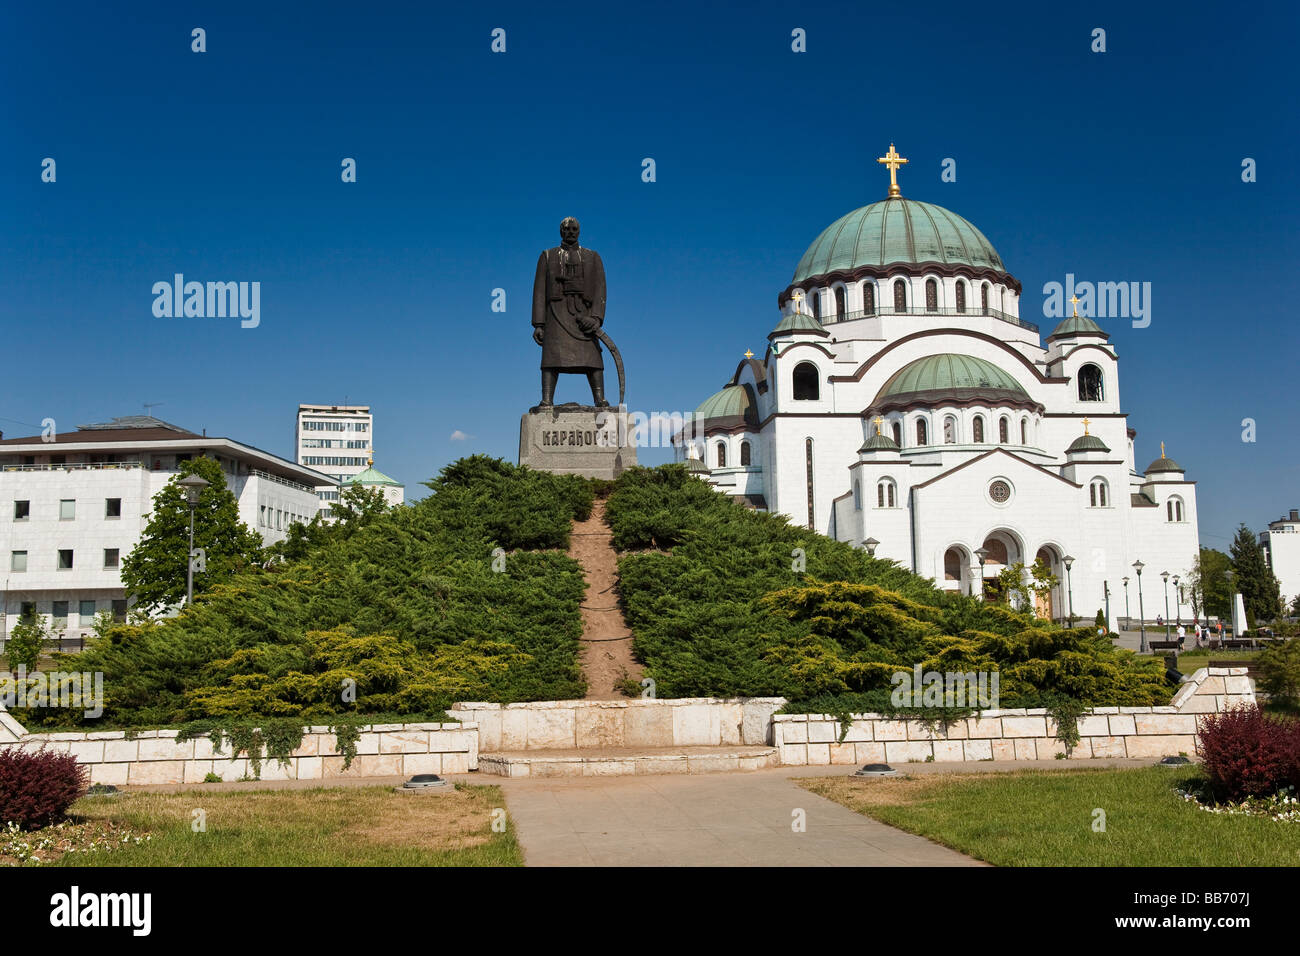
pixel 336 440
pixel 74 505
pixel 903 404
pixel 1282 544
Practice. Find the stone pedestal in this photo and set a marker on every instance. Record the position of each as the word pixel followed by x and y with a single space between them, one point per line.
pixel 577 440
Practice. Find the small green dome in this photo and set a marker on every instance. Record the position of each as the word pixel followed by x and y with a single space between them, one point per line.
pixel 1163 464
pixel 1076 325
pixel 952 375
pixel 734 405
pixel 1087 443
pixel 798 322
pixel 879 442
pixel 696 467
pixel 373 477
pixel 897 230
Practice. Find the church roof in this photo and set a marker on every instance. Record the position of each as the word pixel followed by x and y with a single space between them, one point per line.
pixel 879 442
pixel 1076 325
pixel 695 466
pixel 1087 443
pixel 897 230
pixel 1163 464
pixel 734 405
pixel 371 476
pixel 798 322
pixel 953 376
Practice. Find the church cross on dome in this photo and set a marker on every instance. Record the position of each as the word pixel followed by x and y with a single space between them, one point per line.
pixel 892 161
pixel 1086 423
pixel 749 353
pixel 798 298
pixel 878 421
pixel 1075 300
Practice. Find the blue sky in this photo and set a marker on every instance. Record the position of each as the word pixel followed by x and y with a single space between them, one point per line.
pixel 225 166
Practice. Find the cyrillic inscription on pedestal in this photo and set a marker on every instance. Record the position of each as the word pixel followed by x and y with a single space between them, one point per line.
pixel 577 440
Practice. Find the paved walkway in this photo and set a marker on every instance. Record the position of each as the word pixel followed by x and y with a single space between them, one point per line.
pixel 733 819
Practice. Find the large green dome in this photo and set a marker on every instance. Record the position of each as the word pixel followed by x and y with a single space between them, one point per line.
pixel 949 375
pixel 732 406
pixel 897 230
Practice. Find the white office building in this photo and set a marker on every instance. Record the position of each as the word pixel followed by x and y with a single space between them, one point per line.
pixel 1282 543
pixel 74 504
pixel 335 440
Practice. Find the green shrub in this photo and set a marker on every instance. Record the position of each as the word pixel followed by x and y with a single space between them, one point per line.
pixel 1279 671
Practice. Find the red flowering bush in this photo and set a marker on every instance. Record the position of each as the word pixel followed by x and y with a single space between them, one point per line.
pixel 36 788
pixel 1247 753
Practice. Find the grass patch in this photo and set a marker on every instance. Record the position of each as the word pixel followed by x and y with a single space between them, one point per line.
pixel 1045 818
pixel 340 826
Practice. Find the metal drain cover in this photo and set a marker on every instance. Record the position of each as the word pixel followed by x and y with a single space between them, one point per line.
pixel 424 781
pixel 876 770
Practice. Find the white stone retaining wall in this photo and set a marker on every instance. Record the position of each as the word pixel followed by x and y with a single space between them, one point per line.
pixel 155 756
pixel 1154 732
pixel 570 724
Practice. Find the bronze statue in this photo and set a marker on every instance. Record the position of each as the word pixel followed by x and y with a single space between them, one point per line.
pixel 568 311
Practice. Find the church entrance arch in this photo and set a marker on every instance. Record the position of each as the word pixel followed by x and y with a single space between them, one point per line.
pixel 956 569
pixel 1045 605
pixel 1002 549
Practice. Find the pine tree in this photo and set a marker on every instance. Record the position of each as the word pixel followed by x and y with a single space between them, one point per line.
pixel 154 573
pixel 1259 588
pixel 26 641
pixel 1209 585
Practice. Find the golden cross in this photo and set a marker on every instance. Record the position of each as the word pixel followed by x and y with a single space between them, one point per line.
pixel 1162 449
pixel 892 161
pixel 1075 300
pixel 1086 423
pixel 798 297
pixel 877 421
pixel 749 354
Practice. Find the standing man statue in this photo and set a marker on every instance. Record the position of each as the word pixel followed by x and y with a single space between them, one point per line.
pixel 568 311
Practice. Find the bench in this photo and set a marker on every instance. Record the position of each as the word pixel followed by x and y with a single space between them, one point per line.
pixel 1171 645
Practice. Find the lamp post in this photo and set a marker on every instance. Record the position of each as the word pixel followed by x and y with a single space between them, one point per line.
pixel 1165 576
pixel 1128 619
pixel 193 486
pixel 871 544
pixel 1105 587
pixel 981 553
pixel 1232 601
pixel 1178 601
pixel 1142 614
pixel 1068 561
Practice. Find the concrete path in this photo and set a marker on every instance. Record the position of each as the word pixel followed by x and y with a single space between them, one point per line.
pixel 734 819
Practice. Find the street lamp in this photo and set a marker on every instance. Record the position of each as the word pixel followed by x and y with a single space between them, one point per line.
pixel 1105 586
pixel 1165 576
pixel 1142 614
pixel 1178 601
pixel 193 486
pixel 1128 619
pixel 1232 601
pixel 981 553
pixel 871 544
pixel 1068 561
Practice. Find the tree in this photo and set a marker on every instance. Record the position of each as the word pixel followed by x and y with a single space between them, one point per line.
pixel 1208 583
pixel 358 506
pixel 1041 582
pixel 154 573
pixel 1259 588
pixel 26 640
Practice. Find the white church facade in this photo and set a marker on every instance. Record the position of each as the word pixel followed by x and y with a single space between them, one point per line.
pixel 903 405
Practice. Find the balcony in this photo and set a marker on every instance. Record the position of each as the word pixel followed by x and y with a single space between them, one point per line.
pixel 959 313
pixel 281 481
pixel 77 466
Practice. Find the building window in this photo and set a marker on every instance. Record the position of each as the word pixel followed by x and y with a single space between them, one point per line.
pixel 112 507
pixel 868 298
pixel 722 455
pixel 110 557
pixel 806 386
pixel 808 466
pixel 921 433
pixel 261 520
pixel 1004 430
pixel 744 454
pixel 26 609
pixel 86 612
pixel 961 296
pixel 984 298
pixel 840 310
pixel 950 430
pixel 18 561
pixel 65 559
pixel 1024 431
pixel 59 615
pixel 67 509
pixel 1174 508
pixel 815 303
pixel 900 296
pixel 931 295
pixel 977 428
pixel 886 493
pixel 1097 493
pixel 898 434
pixel 22 510
pixel 1090 384
pixel 1000 492
pixel 952 565
pixel 857 495
pixel 119 611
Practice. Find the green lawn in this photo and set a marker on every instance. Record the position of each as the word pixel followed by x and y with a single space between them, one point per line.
pixel 341 826
pixel 1045 818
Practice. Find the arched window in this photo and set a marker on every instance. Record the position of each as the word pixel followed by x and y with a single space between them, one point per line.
pixel 1097 493
pixel 1004 430
pixel 744 454
pixel 722 455
pixel 898 434
pixel 857 495
pixel 984 298
pixel 997 551
pixel 1174 508
pixel 840 310
pixel 931 295
pixel 900 296
pixel 886 493
pixel 952 565
pixel 1024 431
pixel 950 430
pixel 815 303
pixel 806 387
pixel 961 296
pixel 920 431
pixel 1091 388
pixel 868 298
pixel 978 429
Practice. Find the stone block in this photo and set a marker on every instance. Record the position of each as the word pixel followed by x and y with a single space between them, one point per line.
pixel 977 749
pixel 1160 745
pixel 794 732
pixel 599 726
pixel 453 762
pixel 648 726
pixel 617 768
pixel 1200 704
pixel 1094 726
pixel 675 763
pixel 195 770
pixel 890 730
pixel 1239 685
pixel 551 729
pixel 819 755
pixel 1164 724
pixel 1025 748
pixel 953 730
pixel 121 750
pixel 907 751
pixel 1107 746
pixel 310 746
pixel 1003 749
pixel 919 730
pixel 1024 727
pixel 156 771
pixel 843 753
pixel 860 731
pixel 948 750
pixel 113 774
pixel 309 768
pixel 372 765
pixel 577 440
pixel 983 727
pixel 756 720
pixel 1105 710
pixel 823 731
pixel 1122 725
pixel 696 725
pixel 87 751
pixel 793 755
pixel 404 742
pixel 1082 750
pixel 228 769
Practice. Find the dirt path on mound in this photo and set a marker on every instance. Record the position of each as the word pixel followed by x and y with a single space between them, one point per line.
pixel 606 652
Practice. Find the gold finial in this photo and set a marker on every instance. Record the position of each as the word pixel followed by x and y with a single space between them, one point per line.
pixel 749 354
pixel 877 421
pixel 371 459
pixel 1162 449
pixel 798 299
pixel 1075 300
pixel 892 161
pixel 1086 423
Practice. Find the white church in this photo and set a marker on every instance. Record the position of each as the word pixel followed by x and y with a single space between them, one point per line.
pixel 903 405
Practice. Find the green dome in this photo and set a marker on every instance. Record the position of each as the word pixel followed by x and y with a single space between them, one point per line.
pixel 734 405
pixel 1164 464
pixel 798 322
pixel 696 467
pixel 879 442
pixel 1077 325
pixel 897 230
pixel 952 375
pixel 1087 443
pixel 373 477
